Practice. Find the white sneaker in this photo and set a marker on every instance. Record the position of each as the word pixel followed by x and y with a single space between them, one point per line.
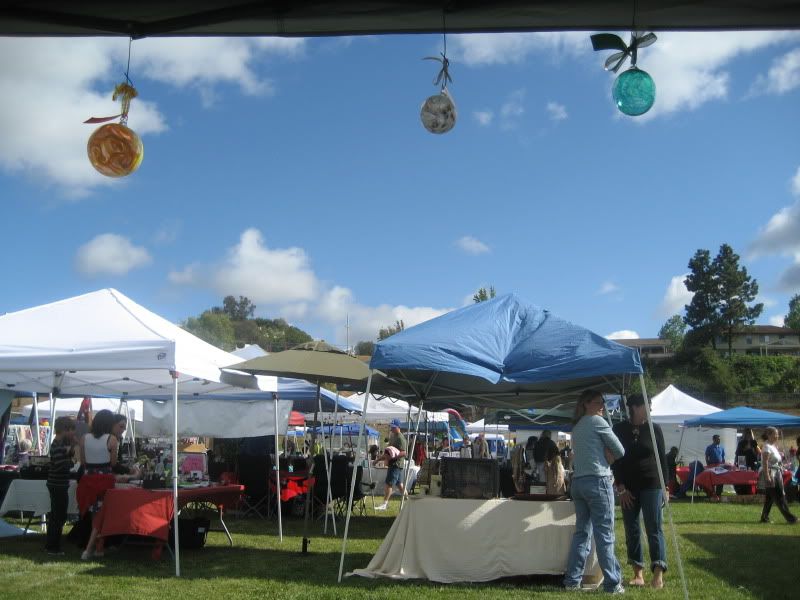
pixel 383 506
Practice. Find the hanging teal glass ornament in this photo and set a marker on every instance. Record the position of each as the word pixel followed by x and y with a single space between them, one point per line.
pixel 634 92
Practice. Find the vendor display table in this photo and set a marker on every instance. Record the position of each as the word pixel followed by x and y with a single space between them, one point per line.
pixel 31 495
pixel 136 511
pixel 451 540
pixel 707 480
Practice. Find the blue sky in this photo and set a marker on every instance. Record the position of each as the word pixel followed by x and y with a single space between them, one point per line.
pixel 297 173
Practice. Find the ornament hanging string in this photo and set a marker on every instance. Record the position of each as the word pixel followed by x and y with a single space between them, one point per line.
pixel 443 77
pixel 125 92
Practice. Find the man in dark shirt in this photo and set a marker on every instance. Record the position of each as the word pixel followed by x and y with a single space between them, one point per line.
pixel 58 482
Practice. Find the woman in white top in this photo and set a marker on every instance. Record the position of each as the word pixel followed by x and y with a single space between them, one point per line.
pixel 99 450
pixel 772 466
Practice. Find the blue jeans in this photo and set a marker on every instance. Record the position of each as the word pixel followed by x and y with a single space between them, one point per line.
pixel 648 503
pixel 593 497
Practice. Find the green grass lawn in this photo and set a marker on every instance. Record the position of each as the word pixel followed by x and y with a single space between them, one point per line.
pixel 726 552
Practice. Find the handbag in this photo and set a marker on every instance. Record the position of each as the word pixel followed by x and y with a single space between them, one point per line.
pixel 761 485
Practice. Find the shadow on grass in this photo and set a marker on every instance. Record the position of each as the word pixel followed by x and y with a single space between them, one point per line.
pixel 757 562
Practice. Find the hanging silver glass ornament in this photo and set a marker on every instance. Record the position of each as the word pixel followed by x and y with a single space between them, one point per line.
pixel 438 113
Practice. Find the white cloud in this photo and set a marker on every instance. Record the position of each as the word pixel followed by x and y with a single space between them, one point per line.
pixel 53 84
pixel 676 297
pixel 338 304
pixel 472 245
pixel 265 275
pixel 483 117
pixel 767 302
pixel 608 287
pixel 776 320
pixel 49 89
pixel 623 334
pixel 784 74
pixel 504 48
pixel 110 254
pixel 689 68
pixel 557 112
pixel 207 62
pixel 282 281
pixel 796 183
pixel 513 107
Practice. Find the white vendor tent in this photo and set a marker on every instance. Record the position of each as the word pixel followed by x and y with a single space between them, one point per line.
pixel 482 427
pixel 671 408
pixel 71 406
pixel 382 409
pixel 103 343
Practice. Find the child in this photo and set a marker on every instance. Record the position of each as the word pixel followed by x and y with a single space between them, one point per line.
pixel 58 482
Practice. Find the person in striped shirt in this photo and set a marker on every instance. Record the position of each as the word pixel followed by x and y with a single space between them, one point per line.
pixel 58 482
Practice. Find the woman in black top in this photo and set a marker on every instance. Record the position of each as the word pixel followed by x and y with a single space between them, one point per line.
pixel 748 447
pixel 640 491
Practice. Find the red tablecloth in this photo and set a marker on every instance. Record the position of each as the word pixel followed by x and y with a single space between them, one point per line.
pixel 708 479
pixel 136 511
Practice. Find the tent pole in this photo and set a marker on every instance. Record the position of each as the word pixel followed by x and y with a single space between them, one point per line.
pixel 52 420
pixel 175 509
pixel 277 470
pixel 328 497
pixel 663 487
pixel 35 428
pixel 307 506
pixel 333 439
pixel 408 458
pixel 355 472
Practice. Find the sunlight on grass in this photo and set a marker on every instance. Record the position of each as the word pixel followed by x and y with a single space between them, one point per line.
pixel 727 553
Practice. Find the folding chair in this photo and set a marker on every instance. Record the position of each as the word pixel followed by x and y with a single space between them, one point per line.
pixel 254 500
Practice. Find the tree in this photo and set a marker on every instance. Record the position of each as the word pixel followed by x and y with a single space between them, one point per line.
pixel 364 348
pixel 483 294
pixel 673 330
pixel 701 313
pixel 238 310
pixel 792 320
pixel 722 293
pixel 389 331
pixel 736 290
pixel 213 327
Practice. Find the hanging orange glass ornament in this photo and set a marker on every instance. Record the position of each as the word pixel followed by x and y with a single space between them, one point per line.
pixel 114 149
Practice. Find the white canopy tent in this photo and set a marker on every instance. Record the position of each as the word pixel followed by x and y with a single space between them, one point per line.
pixel 671 408
pixel 71 406
pixel 482 427
pixel 382 409
pixel 103 343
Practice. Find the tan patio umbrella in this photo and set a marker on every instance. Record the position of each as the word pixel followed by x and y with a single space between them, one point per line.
pixel 318 362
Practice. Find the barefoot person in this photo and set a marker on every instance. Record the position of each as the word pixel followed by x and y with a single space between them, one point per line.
pixel 397 450
pixel 640 491
pixel 595 447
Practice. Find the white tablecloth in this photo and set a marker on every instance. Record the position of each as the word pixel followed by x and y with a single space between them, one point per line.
pixel 32 495
pixel 450 540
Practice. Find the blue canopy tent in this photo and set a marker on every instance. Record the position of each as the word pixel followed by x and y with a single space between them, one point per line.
pixel 348 429
pixel 744 416
pixel 502 353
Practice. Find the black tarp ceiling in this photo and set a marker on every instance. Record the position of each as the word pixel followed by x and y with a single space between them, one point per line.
pixel 148 18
